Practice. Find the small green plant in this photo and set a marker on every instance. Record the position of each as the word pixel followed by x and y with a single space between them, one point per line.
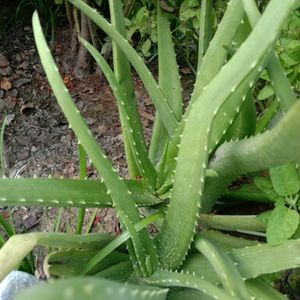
pixel 192 158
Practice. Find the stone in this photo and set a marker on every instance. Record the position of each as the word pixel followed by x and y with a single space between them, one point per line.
pixel 7 71
pixel 19 82
pixel 13 93
pixel 3 61
pixel 14 283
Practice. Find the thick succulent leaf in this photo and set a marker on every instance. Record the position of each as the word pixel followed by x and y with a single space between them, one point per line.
pixel 250 261
pixel 92 289
pixel 152 87
pixel 232 222
pixel 270 149
pixel 123 76
pixel 113 245
pixel 68 193
pixel 246 192
pixel 263 291
pixel 71 262
pixel 178 229
pixel 11 254
pixel 129 119
pixel 18 246
pixel 230 277
pixel 210 66
pixel 169 83
pixel 206 26
pixel 279 80
pixel 227 241
pixel 171 279
pixel 216 53
pixel 141 245
pixel 257 288
pixel 120 272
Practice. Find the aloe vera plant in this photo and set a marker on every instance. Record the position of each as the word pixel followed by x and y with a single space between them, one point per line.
pixel 192 158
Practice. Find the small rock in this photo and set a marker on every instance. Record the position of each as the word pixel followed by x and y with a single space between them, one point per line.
pixel 22 140
pixel 3 61
pixel 33 149
pixel 1 94
pixel 23 155
pixel 18 57
pixel 5 84
pixel 11 93
pixel 10 118
pixel 24 65
pixel 14 283
pixel 7 71
pixel 101 129
pixel 19 82
pixel 90 121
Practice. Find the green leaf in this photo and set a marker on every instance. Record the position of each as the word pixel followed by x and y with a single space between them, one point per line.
pixel 264 217
pixel 230 277
pixel 285 180
pixel 68 192
pixel 282 224
pixel 266 92
pixel 146 47
pixel 265 185
pixel 153 89
pixel 91 289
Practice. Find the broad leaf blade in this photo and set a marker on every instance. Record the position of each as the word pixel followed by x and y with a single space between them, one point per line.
pixel 92 289
pixel 282 224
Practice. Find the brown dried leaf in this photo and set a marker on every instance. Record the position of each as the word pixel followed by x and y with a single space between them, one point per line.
pixel 5 84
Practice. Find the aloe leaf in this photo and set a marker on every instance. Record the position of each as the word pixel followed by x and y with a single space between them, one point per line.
pixel 68 193
pixel 250 261
pixel 205 33
pixel 233 223
pixel 186 199
pixel 124 205
pixel 231 279
pixel 169 83
pixel 11 254
pixel 171 279
pixel 279 80
pixel 92 289
pixel 123 77
pixel 211 64
pixel 120 272
pixel 246 192
pixel 118 241
pixel 265 120
pixel 18 246
pixel 261 290
pixel 71 262
pixel 153 89
pixel 227 241
pixel 216 54
pixel 269 149
pixel 131 125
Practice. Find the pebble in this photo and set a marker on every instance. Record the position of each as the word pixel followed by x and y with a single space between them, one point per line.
pixel 3 61
pixel 14 283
